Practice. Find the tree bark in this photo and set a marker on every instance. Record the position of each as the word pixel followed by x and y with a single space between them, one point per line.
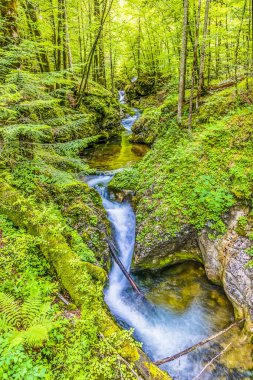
pixel 203 55
pixel 8 12
pixel 182 79
pixel 194 65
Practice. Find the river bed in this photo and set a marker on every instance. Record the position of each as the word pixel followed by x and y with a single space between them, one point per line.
pixel 182 307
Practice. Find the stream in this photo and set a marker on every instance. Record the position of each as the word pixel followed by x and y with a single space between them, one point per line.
pixel 182 306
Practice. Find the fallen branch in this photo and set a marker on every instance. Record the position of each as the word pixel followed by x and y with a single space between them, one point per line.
pixel 113 251
pixel 63 299
pixel 211 361
pixel 196 346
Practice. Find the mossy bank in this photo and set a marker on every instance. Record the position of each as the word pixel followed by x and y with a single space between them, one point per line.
pixel 187 186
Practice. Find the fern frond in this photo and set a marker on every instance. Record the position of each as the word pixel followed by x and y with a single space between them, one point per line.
pixel 5 325
pixel 35 335
pixel 10 309
pixel 31 309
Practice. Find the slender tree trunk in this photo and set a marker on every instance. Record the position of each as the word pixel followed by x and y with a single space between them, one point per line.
pixel 182 79
pixel 86 71
pixel 67 37
pixel 209 65
pixel 33 23
pixel 59 36
pixel 95 64
pixel 80 40
pixel 217 49
pixel 227 49
pixel 54 36
pixel 139 48
pixel 194 65
pixel 248 49
pixel 8 12
pixel 236 62
pixel 111 57
pixel 101 67
pixel 251 34
pixel 203 55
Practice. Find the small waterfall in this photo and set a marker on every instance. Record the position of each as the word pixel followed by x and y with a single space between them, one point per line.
pixel 122 97
pixel 129 121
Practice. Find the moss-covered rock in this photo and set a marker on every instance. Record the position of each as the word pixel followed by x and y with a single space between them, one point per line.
pixel 83 281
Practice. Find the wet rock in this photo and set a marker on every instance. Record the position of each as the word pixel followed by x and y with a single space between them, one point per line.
pixel 226 263
pixel 171 250
pixel 225 259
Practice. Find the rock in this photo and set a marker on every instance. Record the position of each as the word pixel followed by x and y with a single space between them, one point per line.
pixel 225 259
pixel 171 250
pixel 226 263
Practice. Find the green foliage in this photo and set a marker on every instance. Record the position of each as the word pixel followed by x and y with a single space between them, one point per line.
pixel 40 339
pixel 16 364
pixel 127 179
pixel 28 322
pixel 192 181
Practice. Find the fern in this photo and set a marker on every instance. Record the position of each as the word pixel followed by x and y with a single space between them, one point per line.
pixel 29 322
pixel 34 336
pixel 30 310
pixel 5 325
pixel 10 310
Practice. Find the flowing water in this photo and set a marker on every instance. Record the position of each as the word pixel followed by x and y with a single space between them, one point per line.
pixel 182 306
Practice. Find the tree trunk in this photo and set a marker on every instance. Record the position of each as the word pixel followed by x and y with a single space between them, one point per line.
pixel 87 69
pixel 203 55
pixel 8 12
pixel 95 65
pixel 238 39
pixel 181 95
pixel 33 24
pixel 195 60
pixel 59 37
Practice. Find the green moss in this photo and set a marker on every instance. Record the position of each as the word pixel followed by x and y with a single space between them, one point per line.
pixel 155 372
pixel 193 180
pixel 126 180
pixel 147 128
pixel 160 262
pixel 83 281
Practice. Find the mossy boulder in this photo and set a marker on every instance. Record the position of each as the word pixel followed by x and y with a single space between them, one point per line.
pixel 143 86
pixel 147 128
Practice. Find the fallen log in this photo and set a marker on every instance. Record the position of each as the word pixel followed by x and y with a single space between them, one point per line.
pixel 196 346
pixel 114 254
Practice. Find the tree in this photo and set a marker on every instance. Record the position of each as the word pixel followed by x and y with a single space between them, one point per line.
pixel 203 55
pixel 195 61
pixel 9 27
pixel 182 77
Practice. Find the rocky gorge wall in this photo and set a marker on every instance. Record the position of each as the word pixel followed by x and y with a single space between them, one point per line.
pixel 225 259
